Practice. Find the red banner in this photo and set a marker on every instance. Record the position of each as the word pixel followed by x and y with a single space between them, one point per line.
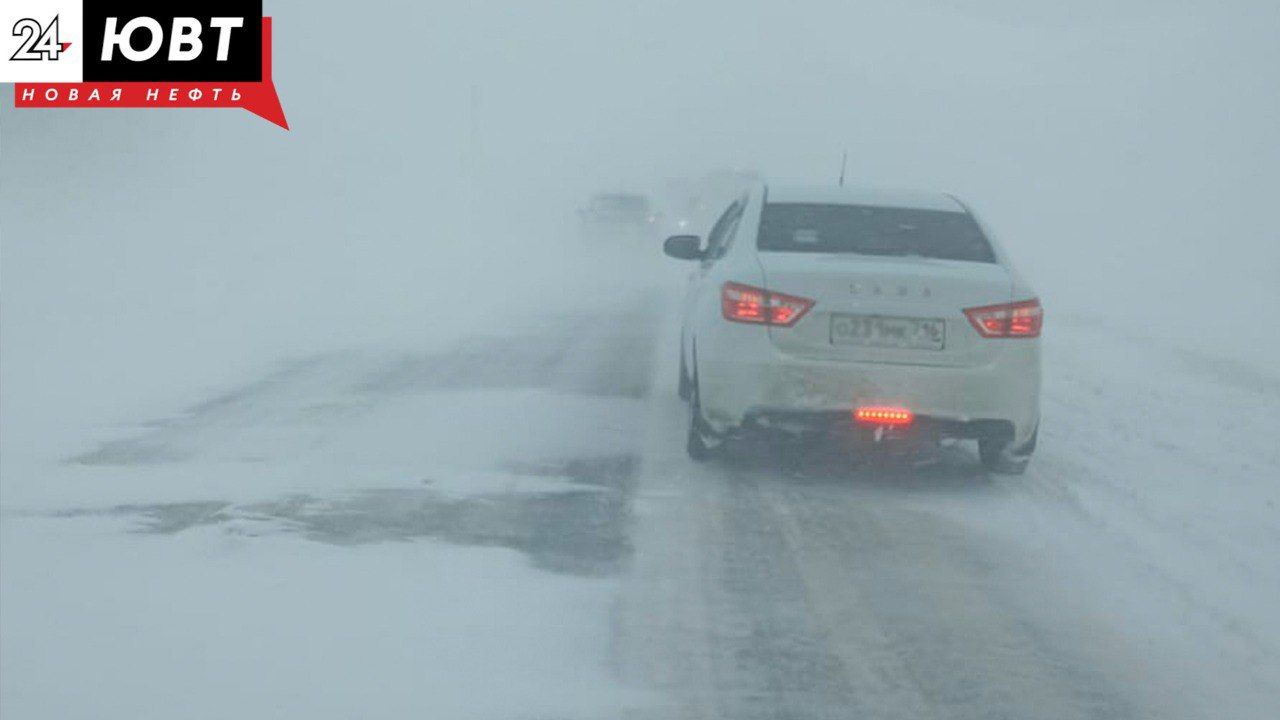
pixel 259 98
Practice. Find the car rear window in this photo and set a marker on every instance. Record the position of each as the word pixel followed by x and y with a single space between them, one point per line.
pixel 870 230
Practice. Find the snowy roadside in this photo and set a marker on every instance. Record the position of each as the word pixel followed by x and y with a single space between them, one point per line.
pixel 1152 510
pixel 1170 457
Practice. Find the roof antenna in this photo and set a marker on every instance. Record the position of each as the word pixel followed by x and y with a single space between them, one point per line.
pixel 844 160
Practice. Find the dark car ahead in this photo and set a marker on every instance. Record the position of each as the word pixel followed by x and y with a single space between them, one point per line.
pixel 614 214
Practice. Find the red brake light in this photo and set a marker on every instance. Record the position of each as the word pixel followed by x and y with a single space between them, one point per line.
pixel 882 415
pixel 747 304
pixel 1007 320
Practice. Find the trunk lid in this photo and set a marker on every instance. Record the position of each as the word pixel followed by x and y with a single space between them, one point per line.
pixel 878 309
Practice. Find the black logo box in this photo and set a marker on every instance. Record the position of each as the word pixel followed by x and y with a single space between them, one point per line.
pixel 244 57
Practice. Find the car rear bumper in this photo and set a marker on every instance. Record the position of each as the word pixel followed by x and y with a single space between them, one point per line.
pixel 998 398
pixel 841 422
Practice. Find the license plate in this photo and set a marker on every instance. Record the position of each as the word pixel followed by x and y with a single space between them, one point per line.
pixel 888 332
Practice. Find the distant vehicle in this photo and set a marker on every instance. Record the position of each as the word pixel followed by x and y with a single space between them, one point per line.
pixel 876 315
pixel 687 214
pixel 693 203
pixel 619 213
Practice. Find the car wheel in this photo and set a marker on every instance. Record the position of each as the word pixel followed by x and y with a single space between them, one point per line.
pixel 684 387
pixel 996 458
pixel 701 444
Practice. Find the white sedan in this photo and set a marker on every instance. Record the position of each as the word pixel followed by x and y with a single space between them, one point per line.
pixel 871 314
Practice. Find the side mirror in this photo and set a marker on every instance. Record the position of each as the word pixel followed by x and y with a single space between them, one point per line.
pixel 683 247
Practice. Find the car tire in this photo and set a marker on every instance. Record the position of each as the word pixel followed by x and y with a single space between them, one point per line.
pixel 997 458
pixel 701 443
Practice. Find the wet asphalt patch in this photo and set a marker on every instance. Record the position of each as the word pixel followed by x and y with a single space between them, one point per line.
pixel 581 529
pixel 572 516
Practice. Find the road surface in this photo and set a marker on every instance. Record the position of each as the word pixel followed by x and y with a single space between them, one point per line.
pixel 824 586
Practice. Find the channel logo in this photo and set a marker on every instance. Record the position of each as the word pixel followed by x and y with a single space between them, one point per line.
pixel 139 53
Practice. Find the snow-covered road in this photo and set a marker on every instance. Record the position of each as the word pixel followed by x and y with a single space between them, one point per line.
pixel 506 526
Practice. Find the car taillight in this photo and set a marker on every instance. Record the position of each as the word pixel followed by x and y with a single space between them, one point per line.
pixel 882 415
pixel 1008 320
pixel 747 304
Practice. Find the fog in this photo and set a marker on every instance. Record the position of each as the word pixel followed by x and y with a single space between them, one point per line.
pixel 1124 151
